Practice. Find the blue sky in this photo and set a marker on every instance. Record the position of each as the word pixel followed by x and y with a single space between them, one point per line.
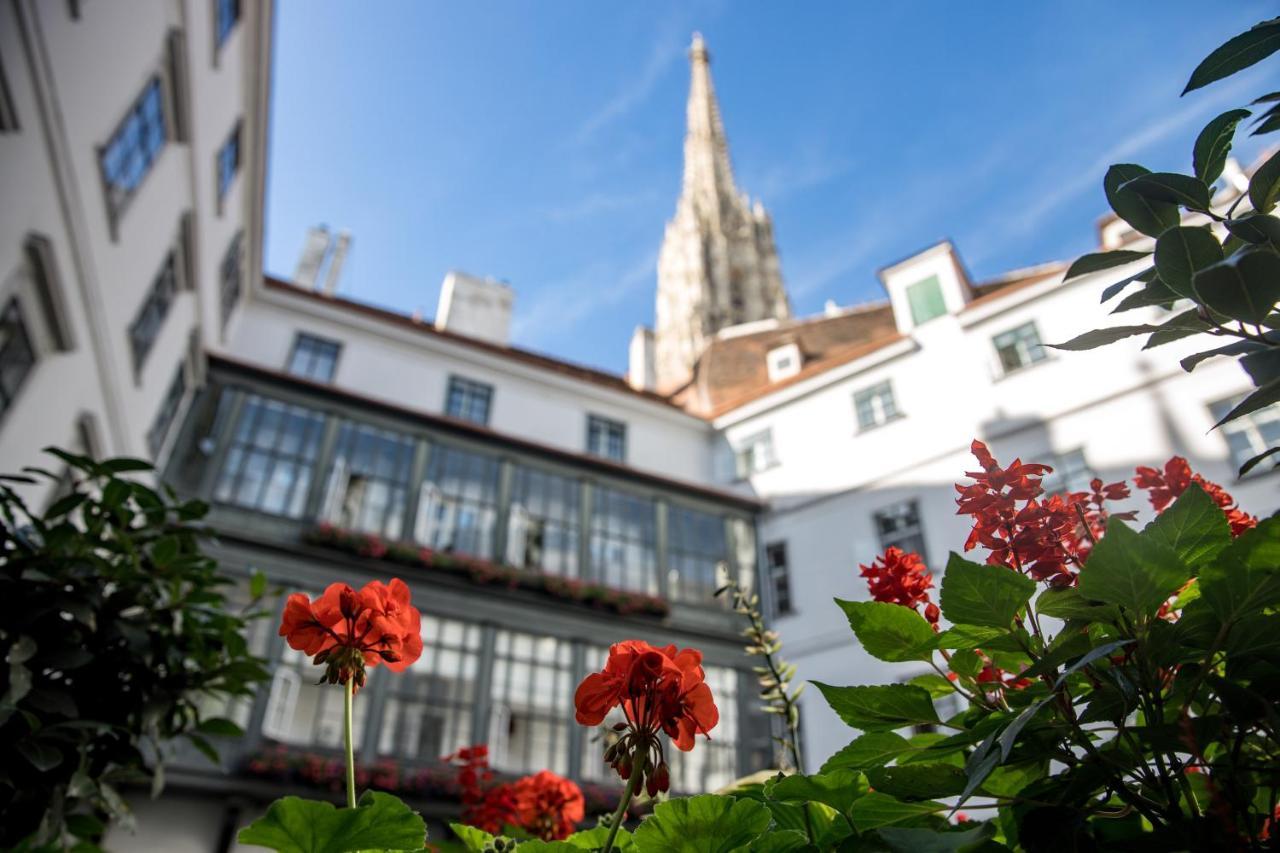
pixel 540 142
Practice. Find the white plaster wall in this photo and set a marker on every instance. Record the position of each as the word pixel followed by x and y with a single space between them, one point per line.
pixel 412 369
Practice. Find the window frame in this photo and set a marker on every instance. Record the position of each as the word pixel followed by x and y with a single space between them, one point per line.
pixel 607 429
pixel 1058 462
pixel 688 554
pixel 937 288
pixel 222 30
pixel 317 346
pixel 152 313
pixel 779 574
pixel 609 529
pixel 874 395
pixel 1017 340
pixel 467 391
pixel 239 449
pixel 224 181
pixel 369 445
pixel 118 197
pixel 915 531
pixel 231 276
pixel 465 470
pixel 8 109
pixel 747 446
pixel 12 318
pixel 162 422
pixel 537 506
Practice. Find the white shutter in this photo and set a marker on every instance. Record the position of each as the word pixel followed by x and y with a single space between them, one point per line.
pixel 517 535
pixel 424 523
pixel 285 684
pixel 335 492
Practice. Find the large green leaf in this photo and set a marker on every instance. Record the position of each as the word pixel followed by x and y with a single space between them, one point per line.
pixel 1154 292
pixel 1068 603
pixel 988 596
pixel 1264 186
pixel 836 788
pixel 295 825
pixel 890 632
pixel 1214 143
pixel 1256 228
pixel 1235 348
pixel 704 824
pixel 1245 286
pixel 1251 46
pixel 1245 577
pixel 1259 398
pixel 905 839
pixel 1184 190
pixel 1176 328
pixel 917 781
pixel 1146 215
pixel 593 839
pixel 1102 337
pixel 1098 261
pixel 975 637
pixel 874 749
pixel 1181 253
pixel 1194 527
pixel 880 707
pixel 876 810
pixel 1133 571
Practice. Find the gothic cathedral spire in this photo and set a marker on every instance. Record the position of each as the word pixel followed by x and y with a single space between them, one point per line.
pixel 718 266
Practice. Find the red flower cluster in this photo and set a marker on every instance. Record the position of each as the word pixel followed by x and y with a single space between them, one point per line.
pixel 545 805
pixel 348 630
pixel 901 577
pixel 1165 486
pixel 658 689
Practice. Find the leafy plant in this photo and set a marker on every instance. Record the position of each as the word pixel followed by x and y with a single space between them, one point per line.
pixel 116 632
pixel 1222 261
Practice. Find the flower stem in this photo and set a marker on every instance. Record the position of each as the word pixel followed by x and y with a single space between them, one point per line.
pixel 351 758
pixel 637 773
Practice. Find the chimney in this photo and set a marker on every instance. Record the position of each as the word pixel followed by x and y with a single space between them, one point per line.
pixel 641 369
pixel 312 257
pixel 341 245
pixel 475 307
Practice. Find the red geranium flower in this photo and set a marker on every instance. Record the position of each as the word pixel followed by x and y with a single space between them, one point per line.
pixel 901 577
pixel 548 806
pixel 1165 486
pixel 349 631
pixel 658 689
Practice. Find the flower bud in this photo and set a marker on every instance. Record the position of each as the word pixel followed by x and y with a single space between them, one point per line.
pixel 348 602
pixel 660 779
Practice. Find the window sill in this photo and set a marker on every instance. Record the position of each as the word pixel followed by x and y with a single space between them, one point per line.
pixel 865 429
pixel 1026 368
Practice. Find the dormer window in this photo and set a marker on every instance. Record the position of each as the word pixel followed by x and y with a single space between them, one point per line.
pixel 925 299
pixel 783 361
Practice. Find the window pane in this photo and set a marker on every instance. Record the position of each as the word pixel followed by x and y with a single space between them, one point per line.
pixel 624 540
pixel 543 530
pixel 369 480
pixel 607 438
pixel 697 553
pixel 925 299
pixel 129 153
pixel 17 356
pixel 531 719
pixel 468 401
pixel 899 526
pixel 269 464
pixel 458 505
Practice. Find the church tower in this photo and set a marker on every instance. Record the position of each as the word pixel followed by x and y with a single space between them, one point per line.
pixel 718 266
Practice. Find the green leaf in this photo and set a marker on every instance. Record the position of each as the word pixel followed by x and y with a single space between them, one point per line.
pixel 902 839
pixel 1191 193
pixel 42 756
pixel 257 584
pixel 934 683
pixel 1092 655
pixel 1111 290
pixel 974 637
pixel 1176 328
pixel 1257 460
pixel 476 840
pixel 1133 571
pixel 1258 399
pixel 837 788
pixel 1256 228
pixel 594 838
pixel 881 707
pixel 917 781
pixel 1154 292
pixel 966 662
pixel 874 749
pixel 1098 261
pixel 1146 215
pixel 1102 337
pixel 1237 348
pixel 295 825
pixel 890 632
pixel 783 841
pixel 1264 186
pixel 220 726
pixel 1214 143
pixel 987 596
pixel 123 464
pixel 704 824
pixel 1182 252
pixel 876 810
pixel 1245 286
pixel 1194 527
pixel 1251 46
pixel 1245 577
pixel 1068 603
pixel 1262 365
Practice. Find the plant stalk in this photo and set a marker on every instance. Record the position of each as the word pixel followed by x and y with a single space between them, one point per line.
pixel 351 757
pixel 637 773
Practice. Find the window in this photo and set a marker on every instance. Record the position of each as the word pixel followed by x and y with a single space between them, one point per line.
pixel 543 530
pixel 899 526
pixel 1071 473
pixel 468 401
pixel 1019 348
pixel 228 162
pixel 369 482
pixel 39 252
pixel 146 326
pixel 226 14
pixel 875 406
pixel 606 438
pixel 458 502
pixel 230 274
pixel 272 457
pixel 529 723
pixel 8 114
pixel 713 764
pixel 782 362
pixel 314 358
pixel 132 149
pixel 301 712
pixel 775 558
pixel 755 454
pixel 697 554
pixel 17 356
pixel 925 299
pixel 427 712
pixel 624 540
pixel 168 411
pixel 1249 435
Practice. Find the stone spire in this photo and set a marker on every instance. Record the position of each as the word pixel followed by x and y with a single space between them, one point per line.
pixel 718 266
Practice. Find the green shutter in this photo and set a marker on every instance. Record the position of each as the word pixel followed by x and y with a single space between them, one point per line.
pixel 925 298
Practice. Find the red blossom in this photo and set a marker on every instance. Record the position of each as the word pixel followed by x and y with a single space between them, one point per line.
pixel 548 806
pixel 901 577
pixel 1165 486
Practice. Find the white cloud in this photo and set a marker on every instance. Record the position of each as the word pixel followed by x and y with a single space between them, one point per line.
pixel 668 48
pixel 557 309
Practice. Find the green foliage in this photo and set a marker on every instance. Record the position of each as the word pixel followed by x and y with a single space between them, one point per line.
pixel 975 595
pixel 890 632
pixel 1224 259
pixel 379 822
pixel 117 637
pixel 702 824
